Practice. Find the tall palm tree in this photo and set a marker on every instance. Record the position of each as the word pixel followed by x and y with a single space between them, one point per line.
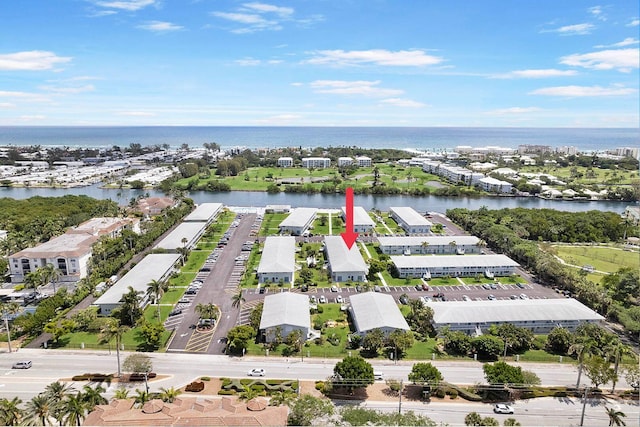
pixel 8 309
pixel 113 329
pixel 169 394
pixel 33 279
pixel 207 311
pixel 615 417
pixel 131 303
pixel 237 299
pixel 581 349
pixel 155 290
pixel 38 410
pixel 617 350
pixel 56 392
pixel 92 396
pixel 74 409
pixel 10 412
pixel 121 393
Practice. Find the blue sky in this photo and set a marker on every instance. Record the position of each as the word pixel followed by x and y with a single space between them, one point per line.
pixel 542 63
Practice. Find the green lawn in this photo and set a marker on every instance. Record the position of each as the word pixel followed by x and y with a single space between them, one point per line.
pixel 393 281
pixel 321 224
pixel 172 295
pixel 195 261
pixel 482 280
pixel 601 258
pixel 270 223
pixel 182 279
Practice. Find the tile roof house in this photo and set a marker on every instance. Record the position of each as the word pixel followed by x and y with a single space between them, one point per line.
pixel 188 411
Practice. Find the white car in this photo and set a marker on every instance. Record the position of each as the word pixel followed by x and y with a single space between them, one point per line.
pixel 465 298
pixel 339 299
pixel 256 372
pixel 501 408
pixel 322 299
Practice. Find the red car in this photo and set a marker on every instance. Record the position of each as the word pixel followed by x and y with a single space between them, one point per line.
pixel 425 287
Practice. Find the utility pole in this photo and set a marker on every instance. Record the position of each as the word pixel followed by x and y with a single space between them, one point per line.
pixel 584 405
pixel 400 399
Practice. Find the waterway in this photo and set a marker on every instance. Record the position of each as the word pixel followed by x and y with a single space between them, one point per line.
pixel 249 199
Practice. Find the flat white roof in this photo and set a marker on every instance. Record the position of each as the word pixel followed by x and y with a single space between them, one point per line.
pixel 286 308
pixel 66 245
pixel 204 212
pixel 152 267
pixel 410 216
pixel 372 310
pixel 299 217
pixel 432 261
pixel 278 255
pixel 498 311
pixel 431 240
pixel 188 230
pixel 343 259
pixel 360 216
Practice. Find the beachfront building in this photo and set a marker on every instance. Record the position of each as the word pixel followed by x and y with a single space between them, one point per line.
pixel 373 310
pixel 298 221
pixel 152 267
pixel 538 315
pixel 285 162
pixel 316 162
pixel 285 312
pixel 452 173
pixel 205 212
pixel 363 161
pixel 277 263
pixel 345 265
pixel 106 226
pixel 69 253
pixel 423 245
pixel 454 266
pixel 344 161
pixel 362 222
pixel 410 220
pixel 152 206
pixel 493 185
pixel 185 235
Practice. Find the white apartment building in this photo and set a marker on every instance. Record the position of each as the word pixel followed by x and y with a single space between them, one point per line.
pixel 410 220
pixel 363 161
pixel 344 161
pixel 298 221
pixel 316 162
pixel 362 222
pixel 493 185
pixel 285 162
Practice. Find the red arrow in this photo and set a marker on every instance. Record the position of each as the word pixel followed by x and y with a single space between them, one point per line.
pixel 349 236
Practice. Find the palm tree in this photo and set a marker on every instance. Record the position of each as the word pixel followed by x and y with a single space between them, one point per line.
pixel 56 393
pixel 131 304
pixel 33 279
pixel 74 409
pixel 155 290
pixel 50 274
pixel 169 394
pixel 121 393
pixel 38 410
pixel 142 397
pixel 93 396
pixel 581 349
pixel 617 350
pixel 8 309
pixel 113 329
pixel 10 412
pixel 424 245
pixel 615 417
pixel 249 393
pixel 237 299
pixel 207 311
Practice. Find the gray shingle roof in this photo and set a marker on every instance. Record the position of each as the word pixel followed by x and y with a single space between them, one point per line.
pixel 343 259
pixel 278 255
pixel 285 308
pixel 372 310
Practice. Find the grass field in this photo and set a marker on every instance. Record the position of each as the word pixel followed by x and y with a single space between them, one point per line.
pixel 607 259
pixel 270 224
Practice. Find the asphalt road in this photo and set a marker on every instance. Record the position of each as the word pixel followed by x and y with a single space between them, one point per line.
pixel 178 369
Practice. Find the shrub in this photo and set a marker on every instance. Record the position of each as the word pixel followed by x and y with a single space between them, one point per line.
pixel 440 393
pixel 453 393
pixel 205 379
pixel 226 392
pixel 196 386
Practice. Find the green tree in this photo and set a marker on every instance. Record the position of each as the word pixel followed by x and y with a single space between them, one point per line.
pixel 618 350
pixel 237 299
pixel 353 372
pixel 473 419
pixel 307 408
pixel 400 341
pixel 113 330
pixel 487 347
pixel 92 396
pixel 130 310
pixel 255 316
pixel 615 416
pixel 10 412
pixel 358 416
pixel 598 370
pixel 155 290
pixel 516 338
pixel 581 349
pixel 151 335
pixel 238 338
pixel 373 341
pixel 425 373
pixel 169 394
pixel 511 422
pixel 502 373
pixel 74 409
pixel 7 310
pixel 559 340
pixel 38 410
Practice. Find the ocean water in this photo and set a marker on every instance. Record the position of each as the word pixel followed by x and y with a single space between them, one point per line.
pixel 431 138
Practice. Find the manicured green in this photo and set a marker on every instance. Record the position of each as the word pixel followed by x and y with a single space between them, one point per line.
pixel 602 258
pixel 270 223
pixel 195 261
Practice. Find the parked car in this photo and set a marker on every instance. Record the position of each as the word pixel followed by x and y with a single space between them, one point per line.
pixel 418 287
pixel 376 288
pixel 486 286
pixel 491 297
pixel 493 286
pixel 339 299
pixel 425 287
pixel 358 288
pixel 262 290
pixel 312 299
pixel 334 289
pixel 520 285
pixel 256 372
pixel 25 364
pixel 501 408
pixel 323 299
pixel 465 298
pixel 404 299
pixel 513 297
pixel 524 296
pixel 175 312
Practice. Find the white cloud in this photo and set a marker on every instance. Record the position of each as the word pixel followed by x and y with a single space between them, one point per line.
pixel 401 102
pixel 253 22
pixel 358 87
pixel 248 62
pixel 513 110
pixel 128 5
pixel 535 74
pixel 400 58
pixel 620 59
pixel 634 23
pixel 572 30
pixel 256 16
pixel 135 113
pixel 69 90
pixel 583 91
pixel 268 8
pixel 7 105
pixel 34 60
pixel 25 96
pixel 626 42
pixel 597 13
pixel 160 26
